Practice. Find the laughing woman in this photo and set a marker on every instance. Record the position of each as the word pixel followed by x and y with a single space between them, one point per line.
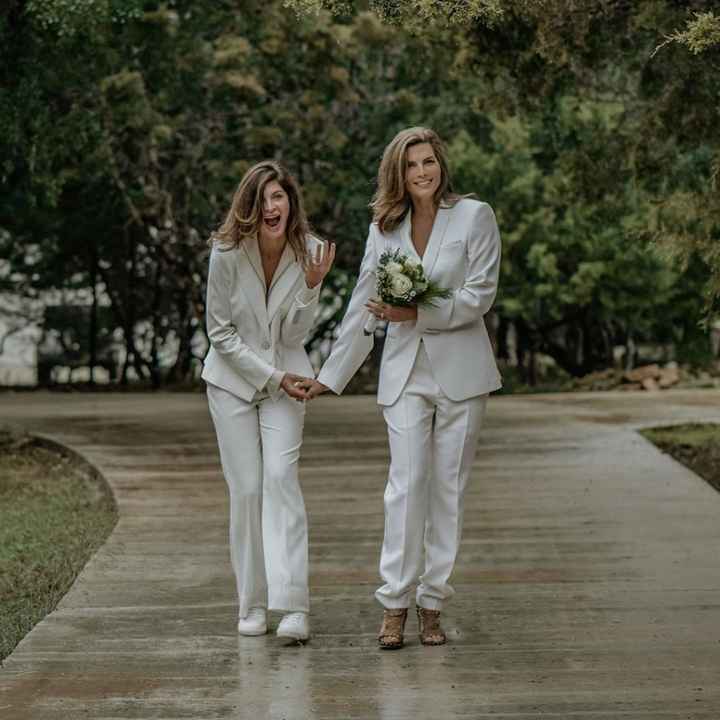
pixel 263 286
pixel 437 370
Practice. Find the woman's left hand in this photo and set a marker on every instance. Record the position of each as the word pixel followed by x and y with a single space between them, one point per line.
pixel 319 263
pixel 392 313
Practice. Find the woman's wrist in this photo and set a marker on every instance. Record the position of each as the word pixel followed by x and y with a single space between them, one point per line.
pixel 275 381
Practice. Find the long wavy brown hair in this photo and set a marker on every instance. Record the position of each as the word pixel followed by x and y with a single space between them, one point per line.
pixel 246 211
pixel 391 202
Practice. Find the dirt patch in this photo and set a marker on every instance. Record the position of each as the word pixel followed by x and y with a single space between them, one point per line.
pixel 697 446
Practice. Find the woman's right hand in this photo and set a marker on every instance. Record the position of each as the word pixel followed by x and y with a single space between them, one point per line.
pixel 295 386
pixel 319 263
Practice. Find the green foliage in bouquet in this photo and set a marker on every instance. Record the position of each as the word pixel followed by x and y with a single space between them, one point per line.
pixel 401 281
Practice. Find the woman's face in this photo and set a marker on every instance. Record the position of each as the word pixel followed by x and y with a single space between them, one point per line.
pixel 422 172
pixel 275 211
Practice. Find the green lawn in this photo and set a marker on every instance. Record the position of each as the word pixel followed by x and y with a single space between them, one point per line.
pixel 694 445
pixel 54 513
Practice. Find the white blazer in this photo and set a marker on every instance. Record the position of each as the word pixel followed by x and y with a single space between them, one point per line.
pixel 254 340
pixel 463 255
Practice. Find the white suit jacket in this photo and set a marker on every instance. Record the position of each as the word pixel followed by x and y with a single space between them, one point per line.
pixel 463 255
pixel 252 341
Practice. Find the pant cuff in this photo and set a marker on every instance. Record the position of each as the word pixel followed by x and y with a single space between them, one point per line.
pixel 393 603
pixel 427 602
pixel 288 598
pixel 245 602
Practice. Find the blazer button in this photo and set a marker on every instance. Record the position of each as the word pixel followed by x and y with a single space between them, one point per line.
pixel 265 345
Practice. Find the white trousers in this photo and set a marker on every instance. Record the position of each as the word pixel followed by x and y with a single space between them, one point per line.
pixel 432 447
pixel 259 444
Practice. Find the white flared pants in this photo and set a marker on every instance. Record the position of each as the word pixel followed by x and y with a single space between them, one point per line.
pixel 432 447
pixel 259 444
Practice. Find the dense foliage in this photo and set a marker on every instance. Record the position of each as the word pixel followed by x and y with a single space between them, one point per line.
pixel 590 127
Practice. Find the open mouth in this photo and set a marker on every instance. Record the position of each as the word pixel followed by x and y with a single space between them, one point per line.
pixel 272 222
pixel 424 183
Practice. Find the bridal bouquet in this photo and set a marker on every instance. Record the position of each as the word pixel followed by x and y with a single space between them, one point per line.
pixel 401 281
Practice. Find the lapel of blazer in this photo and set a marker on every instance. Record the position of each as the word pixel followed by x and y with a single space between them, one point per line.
pixel 253 280
pixel 405 237
pixel 284 278
pixel 436 237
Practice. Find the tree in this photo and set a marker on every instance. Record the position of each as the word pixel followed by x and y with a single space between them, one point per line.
pixel 126 127
pixel 659 58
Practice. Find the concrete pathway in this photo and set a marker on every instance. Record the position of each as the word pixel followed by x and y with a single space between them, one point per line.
pixel 588 585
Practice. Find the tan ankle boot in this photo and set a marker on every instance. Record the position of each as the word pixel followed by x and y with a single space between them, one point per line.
pixel 391 633
pixel 429 625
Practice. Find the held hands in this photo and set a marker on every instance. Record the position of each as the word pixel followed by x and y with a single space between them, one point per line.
pixel 391 313
pixel 301 388
pixel 319 263
pixel 294 386
pixel 315 388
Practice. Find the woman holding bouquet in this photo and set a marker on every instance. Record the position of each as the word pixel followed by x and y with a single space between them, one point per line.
pixel 437 367
pixel 263 287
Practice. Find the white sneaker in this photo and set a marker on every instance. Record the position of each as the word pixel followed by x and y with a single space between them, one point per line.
pixel 254 623
pixel 294 626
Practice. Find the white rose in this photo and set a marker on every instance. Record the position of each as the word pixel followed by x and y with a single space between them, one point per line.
pixel 393 268
pixel 401 285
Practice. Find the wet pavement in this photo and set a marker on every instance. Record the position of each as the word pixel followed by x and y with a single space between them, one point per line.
pixel 588 583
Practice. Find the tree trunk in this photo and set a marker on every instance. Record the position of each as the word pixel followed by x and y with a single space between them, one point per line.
pixel 503 352
pixel 532 368
pixel 129 325
pixel 93 312
pixel 154 347
pixel 522 348
pixel 630 352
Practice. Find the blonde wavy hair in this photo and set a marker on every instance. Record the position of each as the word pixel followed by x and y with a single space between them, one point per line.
pixel 246 211
pixel 391 201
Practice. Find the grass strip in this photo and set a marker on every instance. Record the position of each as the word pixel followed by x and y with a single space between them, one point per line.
pixel 696 445
pixel 55 512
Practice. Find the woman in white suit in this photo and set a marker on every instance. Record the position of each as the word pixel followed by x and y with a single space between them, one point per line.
pixel 263 286
pixel 437 370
